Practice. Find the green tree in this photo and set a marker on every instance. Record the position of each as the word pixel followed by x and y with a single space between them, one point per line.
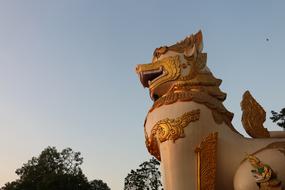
pixel 146 177
pixel 52 170
pixel 279 118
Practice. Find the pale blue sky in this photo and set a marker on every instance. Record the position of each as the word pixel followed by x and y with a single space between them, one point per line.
pixel 67 72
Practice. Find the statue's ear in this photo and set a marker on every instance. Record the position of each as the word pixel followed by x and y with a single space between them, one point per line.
pixel 158 52
pixel 190 51
pixel 199 41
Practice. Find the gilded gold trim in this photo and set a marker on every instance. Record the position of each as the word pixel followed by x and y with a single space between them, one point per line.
pixel 198 151
pixel 169 129
pixel 198 95
pixel 253 117
pixel 206 162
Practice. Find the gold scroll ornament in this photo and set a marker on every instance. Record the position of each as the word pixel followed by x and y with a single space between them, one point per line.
pixel 206 162
pixel 169 129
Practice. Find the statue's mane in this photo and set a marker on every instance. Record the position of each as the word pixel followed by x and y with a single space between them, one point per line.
pixel 192 44
pixel 200 85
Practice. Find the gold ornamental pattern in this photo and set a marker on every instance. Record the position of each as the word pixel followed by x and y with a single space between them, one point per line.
pixel 207 162
pixel 206 96
pixel 253 117
pixel 169 129
pixel 173 129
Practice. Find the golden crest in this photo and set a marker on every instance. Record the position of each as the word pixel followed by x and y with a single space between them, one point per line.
pixel 253 117
pixel 191 45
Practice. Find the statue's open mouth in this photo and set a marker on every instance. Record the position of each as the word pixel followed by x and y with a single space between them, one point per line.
pixel 157 76
pixel 147 77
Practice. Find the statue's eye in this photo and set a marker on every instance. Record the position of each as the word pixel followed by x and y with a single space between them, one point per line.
pixel 184 65
pixel 155 97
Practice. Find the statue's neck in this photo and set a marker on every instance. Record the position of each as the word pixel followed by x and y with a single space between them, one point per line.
pixel 219 112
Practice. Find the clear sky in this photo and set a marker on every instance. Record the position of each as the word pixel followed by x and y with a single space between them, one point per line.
pixel 67 72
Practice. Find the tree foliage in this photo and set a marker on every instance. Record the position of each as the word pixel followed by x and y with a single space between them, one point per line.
pixel 98 184
pixel 146 177
pixel 53 170
pixel 279 118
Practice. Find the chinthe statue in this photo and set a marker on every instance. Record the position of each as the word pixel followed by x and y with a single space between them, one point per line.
pixel 190 131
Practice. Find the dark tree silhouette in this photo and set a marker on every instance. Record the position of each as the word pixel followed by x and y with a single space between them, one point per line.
pixel 52 170
pixel 279 118
pixel 98 184
pixel 146 177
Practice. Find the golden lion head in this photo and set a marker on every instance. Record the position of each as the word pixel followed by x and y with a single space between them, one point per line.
pixel 183 63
